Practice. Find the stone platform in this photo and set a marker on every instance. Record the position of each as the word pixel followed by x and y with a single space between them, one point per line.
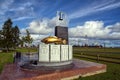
pixel 81 68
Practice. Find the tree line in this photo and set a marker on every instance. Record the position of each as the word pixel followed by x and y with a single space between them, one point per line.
pixel 10 36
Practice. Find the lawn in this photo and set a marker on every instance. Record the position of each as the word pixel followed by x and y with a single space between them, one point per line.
pixel 26 49
pixel 113 69
pixel 5 58
pixel 113 72
pixel 103 52
pixel 115 50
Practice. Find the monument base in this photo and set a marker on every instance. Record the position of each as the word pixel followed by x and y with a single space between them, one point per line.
pixel 31 67
pixel 54 63
pixel 80 68
pixel 54 55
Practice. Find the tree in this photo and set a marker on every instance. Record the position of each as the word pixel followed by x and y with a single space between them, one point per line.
pixel 1 38
pixel 10 35
pixel 22 41
pixel 27 39
pixel 15 34
pixel 7 34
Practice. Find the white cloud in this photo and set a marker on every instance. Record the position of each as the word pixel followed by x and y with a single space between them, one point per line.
pixel 16 10
pixel 27 4
pixel 22 18
pixel 23 13
pixel 114 35
pixel 1 26
pixel 41 27
pixel 96 29
pixel 37 38
pixel 111 6
pixel 115 27
pixel 45 26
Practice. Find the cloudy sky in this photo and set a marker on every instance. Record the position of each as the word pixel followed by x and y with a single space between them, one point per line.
pixel 89 21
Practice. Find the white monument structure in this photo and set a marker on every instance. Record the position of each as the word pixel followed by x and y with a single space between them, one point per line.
pixel 55 55
pixel 56 51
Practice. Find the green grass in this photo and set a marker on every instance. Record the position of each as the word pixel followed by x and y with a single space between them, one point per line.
pixel 113 69
pixel 26 49
pixel 100 58
pixel 113 72
pixel 5 58
pixel 115 50
pixel 103 52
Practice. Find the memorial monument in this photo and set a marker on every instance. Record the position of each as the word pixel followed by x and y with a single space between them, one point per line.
pixel 56 51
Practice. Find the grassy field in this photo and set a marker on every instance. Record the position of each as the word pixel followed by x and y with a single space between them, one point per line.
pixel 113 72
pixel 90 54
pixel 26 49
pixel 5 58
pixel 112 54
pixel 115 50
pixel 113 69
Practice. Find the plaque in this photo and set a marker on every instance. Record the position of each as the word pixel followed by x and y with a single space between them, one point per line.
pixel 44 53
pixel 70 52
pixel 64 52
pixel 54 53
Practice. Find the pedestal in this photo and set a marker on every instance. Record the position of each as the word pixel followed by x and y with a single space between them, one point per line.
pixel 55 55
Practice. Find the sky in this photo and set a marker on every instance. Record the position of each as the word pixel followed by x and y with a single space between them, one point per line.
pixel 89 21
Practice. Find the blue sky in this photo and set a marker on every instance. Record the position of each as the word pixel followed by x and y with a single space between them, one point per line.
pixel 81 14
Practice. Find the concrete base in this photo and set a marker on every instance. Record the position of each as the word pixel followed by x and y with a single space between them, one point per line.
pixel 81 68
pixel 52 64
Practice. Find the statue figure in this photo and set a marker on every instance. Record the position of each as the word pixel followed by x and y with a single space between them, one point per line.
pixel 53 39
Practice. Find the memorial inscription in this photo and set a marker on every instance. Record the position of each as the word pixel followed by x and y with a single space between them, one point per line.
pixel 70 52
pixel 44 51
pixel 64 52
pixel 55 53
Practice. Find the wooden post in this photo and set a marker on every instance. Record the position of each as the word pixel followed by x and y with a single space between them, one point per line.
pixel 97 57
